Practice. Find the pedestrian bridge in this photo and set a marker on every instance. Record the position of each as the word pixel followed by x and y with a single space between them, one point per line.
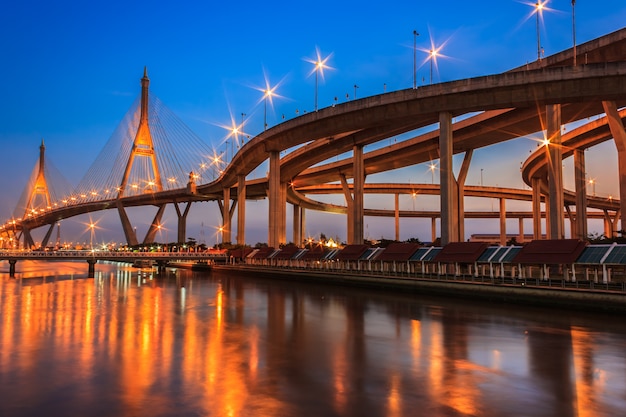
pixel 93 256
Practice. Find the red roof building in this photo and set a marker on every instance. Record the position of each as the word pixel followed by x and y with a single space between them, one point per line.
pixel 550 252
pixel 351 253
pixel 399 252
pixel 461 252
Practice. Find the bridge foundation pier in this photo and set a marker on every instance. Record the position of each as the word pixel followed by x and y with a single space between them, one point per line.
pixel 12 263
pixel 92 267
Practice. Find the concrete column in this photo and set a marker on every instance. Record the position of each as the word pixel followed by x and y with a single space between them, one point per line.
pixel 460 193
pixel 449 210
pixel 241 210
pixel 619 137
pixel 297 225
pixel 282 231
pixel 226 215
pixel 397 215
pixel 536 203
pixel 580 185
pixel 359 186
pixel 608 225
pixel 274 200
pixel 129 232
pixel 349 209
pixel 182 221
pixel 302 223
pixel 433 229
pixel 555 170
pixel 520 236
pixel 502 221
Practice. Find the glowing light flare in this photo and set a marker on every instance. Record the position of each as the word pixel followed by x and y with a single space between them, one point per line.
pixel 319 63
pixel 537 7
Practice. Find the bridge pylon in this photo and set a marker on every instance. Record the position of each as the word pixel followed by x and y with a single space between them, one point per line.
pixel 38 196
pixel 143 148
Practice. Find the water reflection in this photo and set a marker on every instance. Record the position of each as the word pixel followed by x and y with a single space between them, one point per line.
pixel 131 343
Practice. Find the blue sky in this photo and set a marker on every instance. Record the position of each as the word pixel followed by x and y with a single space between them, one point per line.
pixel 71 70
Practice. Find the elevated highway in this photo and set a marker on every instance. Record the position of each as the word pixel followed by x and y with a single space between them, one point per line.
pixel 492 109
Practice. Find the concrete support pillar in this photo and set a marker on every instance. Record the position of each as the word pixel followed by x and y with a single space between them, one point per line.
pixel 274 222
pixel 608 225
pixel 555 171
pixel 241 210
pixel 580 185
pixel 349 209
pixel 92 267
pixel 520 236
pixel 502 221
pixel 397 215
pixel 12 263
pixel 536 203
pixel 129 233
pixel 460 195
pixel 297 225
pixel 302 224
pixel 433 229
pixel 46 238
pixel 226 215
pixel 449 208
pixel 182 222
pixel 357 194
pixel 282 231
pixel 619 137
pixel 155 226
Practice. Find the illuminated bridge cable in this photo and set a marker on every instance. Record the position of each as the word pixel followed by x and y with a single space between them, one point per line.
pixel 178 152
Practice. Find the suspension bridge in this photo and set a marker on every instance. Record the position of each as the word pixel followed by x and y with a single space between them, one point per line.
pixel 152 159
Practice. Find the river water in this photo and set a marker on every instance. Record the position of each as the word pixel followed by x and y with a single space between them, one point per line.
pixel 130 343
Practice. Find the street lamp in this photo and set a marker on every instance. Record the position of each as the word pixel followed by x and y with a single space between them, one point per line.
pixel 433 54
pixel 318 67
pixel 355 87
pixel 592 182
pixel 268 93
pixel 574 28
pixel 481 177
pixel 432 171
pixel 415 35
pixel 538 8
pixel 92 228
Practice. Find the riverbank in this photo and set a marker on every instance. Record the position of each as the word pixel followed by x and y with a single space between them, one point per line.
pixel 520 293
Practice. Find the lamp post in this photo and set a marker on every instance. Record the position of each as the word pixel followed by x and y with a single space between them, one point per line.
pixel 432 172
pixel 538 8
pixel 241 129
pixel 355 87
pixel 574 28
pixel 415 35
pixel 433 54
pixel 268 93
pixel 481 177
pixel 91 227
pixel 318 66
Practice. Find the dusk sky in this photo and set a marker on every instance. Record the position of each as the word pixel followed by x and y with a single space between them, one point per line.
pixel 71 71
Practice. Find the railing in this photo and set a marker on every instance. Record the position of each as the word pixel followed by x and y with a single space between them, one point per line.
pixel 104 255
pixel 435 272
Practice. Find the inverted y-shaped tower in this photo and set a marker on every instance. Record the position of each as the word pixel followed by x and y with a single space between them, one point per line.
pixel 143 147
pixel 40 189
